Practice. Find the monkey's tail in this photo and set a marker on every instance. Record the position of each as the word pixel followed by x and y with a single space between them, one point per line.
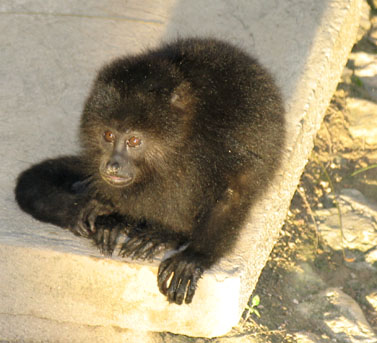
pixel 53 191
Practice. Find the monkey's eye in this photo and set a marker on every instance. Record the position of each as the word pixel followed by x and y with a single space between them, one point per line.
pixel 109 136
pixel 133 142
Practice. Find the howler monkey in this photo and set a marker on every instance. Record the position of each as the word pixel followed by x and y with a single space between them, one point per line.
pixel 177 144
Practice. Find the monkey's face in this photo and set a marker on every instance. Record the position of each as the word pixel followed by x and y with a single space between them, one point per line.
pixel 121 155
pixel 136 123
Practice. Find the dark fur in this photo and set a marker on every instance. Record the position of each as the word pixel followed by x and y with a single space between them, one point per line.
pixel 211 124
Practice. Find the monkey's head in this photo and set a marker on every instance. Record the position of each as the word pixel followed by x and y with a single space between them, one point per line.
pixel 120 153
pixel 136 121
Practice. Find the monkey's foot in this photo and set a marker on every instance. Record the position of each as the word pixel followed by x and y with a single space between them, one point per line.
pixel 184 271
pixel 108 229
pixel 143 244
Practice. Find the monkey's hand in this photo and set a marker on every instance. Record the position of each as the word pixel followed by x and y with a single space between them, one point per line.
pixel 184 269
pixel 85 223
pixel 108 229
pixel 144 244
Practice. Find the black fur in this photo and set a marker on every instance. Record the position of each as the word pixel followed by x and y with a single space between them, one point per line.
pixel 178 143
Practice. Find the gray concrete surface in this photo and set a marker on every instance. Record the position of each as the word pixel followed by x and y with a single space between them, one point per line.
pixel 49 53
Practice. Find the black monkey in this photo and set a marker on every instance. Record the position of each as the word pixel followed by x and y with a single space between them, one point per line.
pixel 177 144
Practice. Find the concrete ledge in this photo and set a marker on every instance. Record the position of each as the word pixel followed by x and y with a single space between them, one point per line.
pixel 87 290
pixel 48 58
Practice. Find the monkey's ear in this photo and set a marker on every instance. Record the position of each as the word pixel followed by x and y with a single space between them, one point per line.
pixel 182 97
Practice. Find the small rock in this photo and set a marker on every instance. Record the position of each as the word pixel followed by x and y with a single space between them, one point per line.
pixel 372 299
pixel 172 338
pixel 359 232
pixel 244 338
pixel 372 35
pixel 305 281
pixel 363 117
pixel 365 22
pixel 373 4
pixel 307 337
pixel 372 157
pixel 364 64
pixel 371 257
pixel 339 316
pixel 349 323
pixel 364 67
pixel 358 202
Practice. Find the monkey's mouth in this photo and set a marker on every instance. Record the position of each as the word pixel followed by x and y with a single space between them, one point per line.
pixel 117 181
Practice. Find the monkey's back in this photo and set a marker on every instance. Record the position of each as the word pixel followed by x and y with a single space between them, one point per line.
pixel 239 120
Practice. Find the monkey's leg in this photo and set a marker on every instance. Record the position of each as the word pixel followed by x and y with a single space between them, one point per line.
pixel 212 238
pixel 178 276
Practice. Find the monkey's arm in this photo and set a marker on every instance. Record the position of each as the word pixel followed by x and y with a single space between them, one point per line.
pixel 212 239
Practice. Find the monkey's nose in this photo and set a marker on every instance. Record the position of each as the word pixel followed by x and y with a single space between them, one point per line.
pixel 112 166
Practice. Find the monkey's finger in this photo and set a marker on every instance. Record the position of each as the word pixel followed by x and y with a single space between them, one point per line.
pixel 151 253
pixel 106 242
pixel 130 246
pixel 180 292
pixel 138 253
pixel 123 252
pixel 81 225
pixel 135 231
pixel 164 273
pixel 177 288
pixel 132 242
pixel 144 250
pixel 82 229
pixel 91 219
pixel 114 234
pixel 73 229
pixel 106 236
pixel 198 272
pixel 98 239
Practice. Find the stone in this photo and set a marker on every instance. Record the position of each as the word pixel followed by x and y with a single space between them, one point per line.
pixel 363 118
pixel 34 329
pixel 372 35
pixel 358 201
pixel 349 321
pixel 364 65
pixel 371 257
pixel 359 232
pixel 305 281
pixel 372 299
pixel 307 337
pixel 373 3
pixel 243 338
pixel 365 23
pixel 339 316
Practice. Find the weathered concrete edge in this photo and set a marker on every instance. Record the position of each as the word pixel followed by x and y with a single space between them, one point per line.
pixel 333 45
pixel 88 290
pixel 31 329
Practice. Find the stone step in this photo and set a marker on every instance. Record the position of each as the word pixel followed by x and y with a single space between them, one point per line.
pixel 55 287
